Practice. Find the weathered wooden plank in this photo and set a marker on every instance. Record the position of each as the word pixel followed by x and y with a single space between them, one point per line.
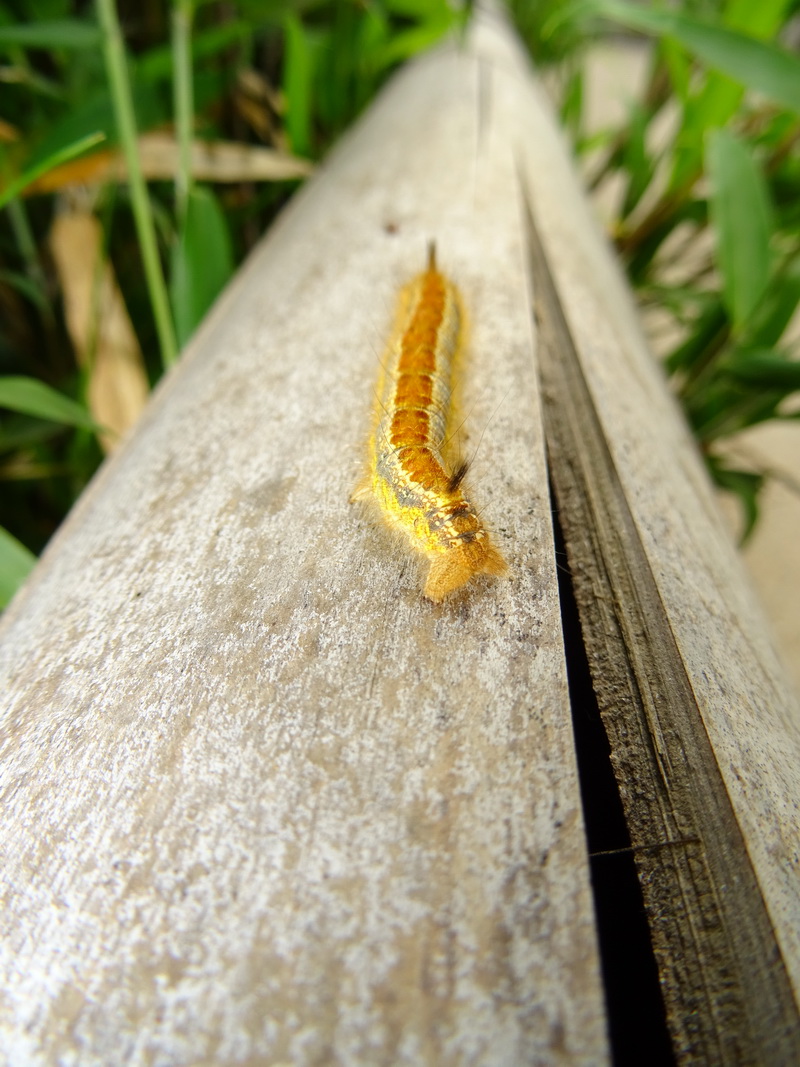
pixel 703 725
pixel 261 802
pixel 728 995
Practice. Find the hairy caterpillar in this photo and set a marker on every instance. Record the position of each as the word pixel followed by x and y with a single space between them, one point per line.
pixel 417 490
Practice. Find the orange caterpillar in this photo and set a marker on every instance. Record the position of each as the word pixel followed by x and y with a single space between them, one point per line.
pixel 415 488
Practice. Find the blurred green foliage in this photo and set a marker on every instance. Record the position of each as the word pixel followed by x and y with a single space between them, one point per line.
pixel 285 74
pixel 709 217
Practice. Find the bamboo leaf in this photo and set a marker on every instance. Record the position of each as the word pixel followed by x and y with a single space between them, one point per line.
pixel 572 103
pixel 746 485
pixel 29 396
pixel 16 563
pixel 776 310
pixel 719 96
pixel 711 108
pixel 678 65
pixel 765 369
pixel 635 158
pixel 742 218
pixel 756 64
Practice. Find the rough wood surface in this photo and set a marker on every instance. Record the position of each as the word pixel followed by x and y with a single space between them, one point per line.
pixel 728 996
pixel 705 730
pixel 261 803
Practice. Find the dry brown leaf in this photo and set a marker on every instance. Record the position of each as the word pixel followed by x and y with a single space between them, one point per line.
pixel 212 161
pixel 261 106
pixel 256 116
pixel 255 85
pixel 220 161
pixel 99 326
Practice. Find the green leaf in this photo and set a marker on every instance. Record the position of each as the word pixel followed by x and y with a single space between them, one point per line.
pixel 709 109
pixel 635 158
pixel 677 64
pixel 765 369
pixel 373 34
pixel 416 39
pixel 156 64
pixel 96 114
pixel 60 33
pixel 13 189
pixel 27 286
pixel 746 485
pixel 21 431
pixel 756 64
pixel 710 328
pixel 742 217
pixel 420 10
pixel 719 95
pixel 32 397
pixel 726 407
pixel 16 563
pixel 760 20
pixel 297 75
pixel 202 261
pixel 776 310
pixel 572 103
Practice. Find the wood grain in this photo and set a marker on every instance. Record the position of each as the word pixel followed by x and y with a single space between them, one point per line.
pixel 727 993
pixel 704 727
pixel 262 803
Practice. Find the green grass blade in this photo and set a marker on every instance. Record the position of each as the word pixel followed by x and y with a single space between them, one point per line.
pixel 419 10
pixel 26 286
pixel 93 114
pixel 63 155
pixel 58 33
pixel 25 241
pixel 756 64
pixel 157 63
pixel 16 563
pixel 183 92
pixel 29 396
pixel 116 69
pixel 297 77
pixel 742 217
pixel 202 261
pixel 417 39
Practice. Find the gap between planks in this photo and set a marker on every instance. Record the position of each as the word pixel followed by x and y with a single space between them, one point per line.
pixel 727 993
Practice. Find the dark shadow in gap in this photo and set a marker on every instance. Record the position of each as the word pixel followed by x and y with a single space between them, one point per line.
pixel 636 1019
